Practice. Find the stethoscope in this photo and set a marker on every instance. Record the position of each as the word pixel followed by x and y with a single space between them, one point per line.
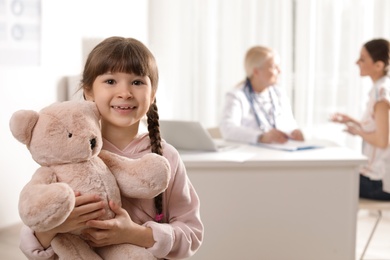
pixel 249 93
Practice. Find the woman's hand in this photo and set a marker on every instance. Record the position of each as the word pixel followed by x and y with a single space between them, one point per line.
pixel 273 136
pixel 353 129
pixel 341 118
pixel 118 230
pixel 87 207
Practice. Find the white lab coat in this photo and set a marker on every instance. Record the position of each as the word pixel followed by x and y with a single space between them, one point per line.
pixel 238 122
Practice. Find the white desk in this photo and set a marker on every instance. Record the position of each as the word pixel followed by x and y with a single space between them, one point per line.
pixel 262 204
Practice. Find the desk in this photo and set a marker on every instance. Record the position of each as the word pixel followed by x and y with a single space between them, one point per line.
pixel 263 204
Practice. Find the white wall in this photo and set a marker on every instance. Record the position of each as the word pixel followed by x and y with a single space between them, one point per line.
pixel 64 25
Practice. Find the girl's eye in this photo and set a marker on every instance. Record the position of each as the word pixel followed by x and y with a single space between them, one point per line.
pixel 110 81
pixel 137 82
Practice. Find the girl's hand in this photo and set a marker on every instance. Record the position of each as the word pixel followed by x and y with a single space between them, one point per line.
pixel 118 230
pixel 87 207
pixel 297 135
pixel 273 136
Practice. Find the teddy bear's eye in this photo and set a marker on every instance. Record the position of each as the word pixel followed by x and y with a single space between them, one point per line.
pixel 70 135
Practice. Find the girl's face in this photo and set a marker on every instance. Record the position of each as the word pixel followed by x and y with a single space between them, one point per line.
pixel 267 75
pixel 365 63
pixel 123 99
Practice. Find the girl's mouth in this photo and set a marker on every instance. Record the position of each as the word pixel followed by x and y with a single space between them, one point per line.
pixel 123 107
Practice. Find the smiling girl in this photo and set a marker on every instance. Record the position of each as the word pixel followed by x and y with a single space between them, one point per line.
pixel 121 77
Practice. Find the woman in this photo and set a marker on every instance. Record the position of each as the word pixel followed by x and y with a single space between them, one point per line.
pixel 373 128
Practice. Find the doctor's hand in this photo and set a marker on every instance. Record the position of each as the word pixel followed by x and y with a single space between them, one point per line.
pixel 297 135
pixel 273 136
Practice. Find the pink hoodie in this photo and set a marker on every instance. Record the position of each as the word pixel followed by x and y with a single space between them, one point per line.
pixel 181 234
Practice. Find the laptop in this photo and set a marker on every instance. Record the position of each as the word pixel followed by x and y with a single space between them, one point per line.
pixel 189 135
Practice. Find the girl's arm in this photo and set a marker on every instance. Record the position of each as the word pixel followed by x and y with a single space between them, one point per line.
pixel 379 137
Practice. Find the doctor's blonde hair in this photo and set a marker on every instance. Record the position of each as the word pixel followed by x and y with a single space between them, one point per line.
pixel 255 58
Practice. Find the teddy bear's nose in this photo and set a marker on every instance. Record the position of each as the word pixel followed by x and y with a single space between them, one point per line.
pixel 93 143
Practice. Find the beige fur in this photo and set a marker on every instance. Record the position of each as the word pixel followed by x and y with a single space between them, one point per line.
pixel 65 139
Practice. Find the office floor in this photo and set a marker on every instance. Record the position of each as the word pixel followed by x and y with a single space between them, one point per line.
pixel 379 248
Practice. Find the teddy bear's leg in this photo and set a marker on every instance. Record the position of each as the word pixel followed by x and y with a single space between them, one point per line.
pixel 68 246
pixel 125 251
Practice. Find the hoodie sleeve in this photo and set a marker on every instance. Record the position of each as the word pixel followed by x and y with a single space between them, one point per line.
pixel 31 247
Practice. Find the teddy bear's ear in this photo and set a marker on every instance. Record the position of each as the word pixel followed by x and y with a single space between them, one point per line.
pixel 22 123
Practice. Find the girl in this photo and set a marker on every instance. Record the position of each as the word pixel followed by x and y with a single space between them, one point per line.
pixel 374 126
pixel 121 77
pixel 258 111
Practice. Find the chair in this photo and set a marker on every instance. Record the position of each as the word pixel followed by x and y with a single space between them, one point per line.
pixel 374 205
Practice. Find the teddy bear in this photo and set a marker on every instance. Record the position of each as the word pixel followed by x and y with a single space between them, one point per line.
pixel 65 139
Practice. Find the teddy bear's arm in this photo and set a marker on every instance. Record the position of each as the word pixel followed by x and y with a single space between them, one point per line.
pixel 45 203
pixel 142 178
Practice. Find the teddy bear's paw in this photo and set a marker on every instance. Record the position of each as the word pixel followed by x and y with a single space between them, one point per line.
pixel 156 170
pixel 142 178
pixel 43 207
pixel 149 177
pixel 125 251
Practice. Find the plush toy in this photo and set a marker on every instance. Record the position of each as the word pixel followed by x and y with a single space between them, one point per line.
pixel 65 140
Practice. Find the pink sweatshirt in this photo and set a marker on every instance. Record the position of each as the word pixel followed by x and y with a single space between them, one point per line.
pixel 182 233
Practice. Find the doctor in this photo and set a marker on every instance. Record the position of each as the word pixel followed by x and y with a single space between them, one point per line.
pixel 256 110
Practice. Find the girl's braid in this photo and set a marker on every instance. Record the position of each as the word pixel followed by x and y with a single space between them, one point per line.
pixel 155 142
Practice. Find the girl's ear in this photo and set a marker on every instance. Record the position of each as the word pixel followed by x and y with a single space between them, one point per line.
pixel 88 95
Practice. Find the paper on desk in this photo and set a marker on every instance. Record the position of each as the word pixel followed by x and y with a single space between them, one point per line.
pixel 235 155
pixel 292 145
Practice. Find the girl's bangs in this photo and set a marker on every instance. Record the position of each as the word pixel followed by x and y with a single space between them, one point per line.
pixel 126 61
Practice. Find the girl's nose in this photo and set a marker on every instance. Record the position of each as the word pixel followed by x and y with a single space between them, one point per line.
pixel 125 92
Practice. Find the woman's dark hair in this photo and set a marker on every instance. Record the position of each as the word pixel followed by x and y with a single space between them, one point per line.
pixel 128 55
pixel 379 50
